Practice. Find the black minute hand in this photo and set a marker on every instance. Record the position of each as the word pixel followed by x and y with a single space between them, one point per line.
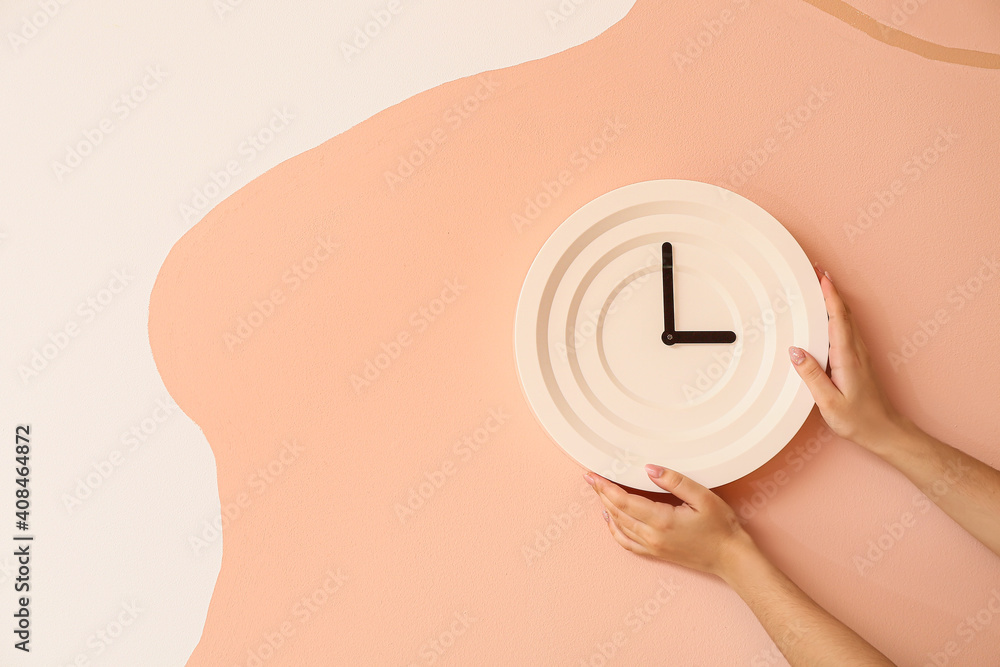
pixel 669 328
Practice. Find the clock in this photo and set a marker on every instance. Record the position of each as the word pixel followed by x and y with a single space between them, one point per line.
pixel 653 326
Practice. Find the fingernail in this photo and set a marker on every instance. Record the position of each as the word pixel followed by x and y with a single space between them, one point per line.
pixel 827 274
pixel 590 480
pixel 605 513
pixel 654 470
pixel 821 271
pixel 797 355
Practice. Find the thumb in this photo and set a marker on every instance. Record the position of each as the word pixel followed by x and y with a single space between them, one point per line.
pixel 819 383
pixel 685 488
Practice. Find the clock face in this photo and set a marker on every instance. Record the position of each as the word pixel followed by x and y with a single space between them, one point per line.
pixel 654 326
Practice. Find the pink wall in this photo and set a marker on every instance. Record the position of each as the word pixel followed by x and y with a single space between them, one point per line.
pixel 507 560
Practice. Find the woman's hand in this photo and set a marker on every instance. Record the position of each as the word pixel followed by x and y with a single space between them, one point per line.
pixel 850 398
pixel 704 533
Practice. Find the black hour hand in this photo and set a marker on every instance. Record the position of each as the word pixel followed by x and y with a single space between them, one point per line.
pixel 699 337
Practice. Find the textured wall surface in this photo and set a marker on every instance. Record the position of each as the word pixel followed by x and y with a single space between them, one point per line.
pixel 341 328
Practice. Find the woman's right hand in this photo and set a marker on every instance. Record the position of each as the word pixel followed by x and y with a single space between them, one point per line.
pixel 850 399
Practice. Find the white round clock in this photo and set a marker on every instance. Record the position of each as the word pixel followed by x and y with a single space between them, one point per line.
pixel 654 326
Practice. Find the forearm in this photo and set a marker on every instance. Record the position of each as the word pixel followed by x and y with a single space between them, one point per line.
pixel 966 489
pixel 805 633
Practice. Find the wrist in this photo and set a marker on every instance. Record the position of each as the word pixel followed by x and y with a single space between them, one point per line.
pixel 888 435
pixel 749 571
pixel 737 553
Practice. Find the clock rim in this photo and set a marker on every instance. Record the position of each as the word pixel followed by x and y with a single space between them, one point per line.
pixel 801 404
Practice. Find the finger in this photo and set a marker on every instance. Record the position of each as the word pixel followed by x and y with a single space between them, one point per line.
pixel 635 506
pixel 631 533
pixel 823 391
pixel 685 488
pixel 862 349
pixel 628 524
pixel 626 541
pixel 841 325
pixel 843 330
